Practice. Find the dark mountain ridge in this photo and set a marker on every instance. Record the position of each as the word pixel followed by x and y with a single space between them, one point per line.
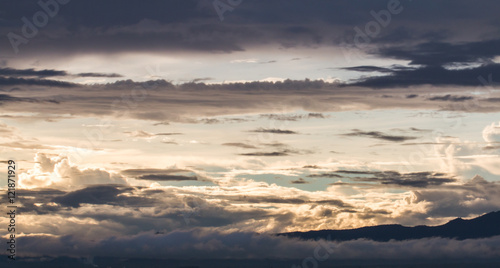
pixel 487 225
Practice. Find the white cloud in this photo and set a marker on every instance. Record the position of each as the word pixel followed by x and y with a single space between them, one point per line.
pixel 491 133
pixel 57 172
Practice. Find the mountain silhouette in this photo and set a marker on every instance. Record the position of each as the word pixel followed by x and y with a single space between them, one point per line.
pixel 487 225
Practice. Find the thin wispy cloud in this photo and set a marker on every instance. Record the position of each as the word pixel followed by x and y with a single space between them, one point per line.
pixel 240 145
pixel 274 131
pixel 379 135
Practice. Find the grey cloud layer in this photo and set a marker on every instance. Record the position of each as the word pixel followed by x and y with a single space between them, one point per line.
pixel 161 101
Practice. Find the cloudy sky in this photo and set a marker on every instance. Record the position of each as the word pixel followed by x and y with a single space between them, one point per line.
pixel 207 121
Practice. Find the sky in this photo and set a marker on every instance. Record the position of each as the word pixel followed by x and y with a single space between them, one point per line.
pixel 145 125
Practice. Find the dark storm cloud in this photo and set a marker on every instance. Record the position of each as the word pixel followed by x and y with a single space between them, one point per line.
pixel 79 15
pixel 31 72
pixel 439 63
pixel 408 33
pixel 102 194
pixel 379 135
pixel 43 197
pixel 79 27
pixel 274 131
pixel 294 12
pixel 431 75
pixel 440 53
